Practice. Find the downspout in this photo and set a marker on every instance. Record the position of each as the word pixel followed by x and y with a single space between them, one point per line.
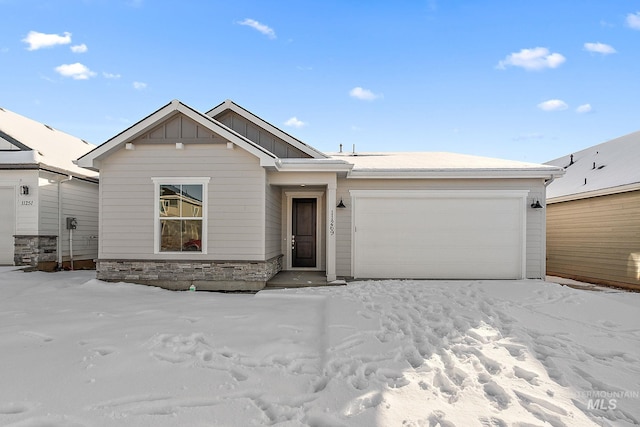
pixel 60 222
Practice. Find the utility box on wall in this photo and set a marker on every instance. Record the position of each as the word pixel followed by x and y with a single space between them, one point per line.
pixel 72 223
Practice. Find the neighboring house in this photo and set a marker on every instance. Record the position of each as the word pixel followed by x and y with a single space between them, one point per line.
pixel 593 215
pixel 40 188
pixel 225 200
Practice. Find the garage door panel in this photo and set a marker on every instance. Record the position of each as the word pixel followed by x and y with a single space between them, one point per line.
pixel 438 237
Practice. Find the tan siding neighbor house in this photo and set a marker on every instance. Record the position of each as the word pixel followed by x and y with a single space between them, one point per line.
pixel 224 200
pixel 593 215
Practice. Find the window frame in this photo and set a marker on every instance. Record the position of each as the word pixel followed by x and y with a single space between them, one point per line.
pixel 157 183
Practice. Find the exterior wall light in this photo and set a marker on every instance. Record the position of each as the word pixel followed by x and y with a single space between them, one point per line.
pixel 24 190
pixel 341 204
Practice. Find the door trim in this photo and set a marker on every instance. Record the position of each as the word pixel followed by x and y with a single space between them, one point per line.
pixel 290 195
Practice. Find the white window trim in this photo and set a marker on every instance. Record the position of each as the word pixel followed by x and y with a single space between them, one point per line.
pixel 157 182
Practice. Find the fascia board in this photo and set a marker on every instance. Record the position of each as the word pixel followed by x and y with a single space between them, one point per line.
pixel 230 105
pixel 312 165
pixel 453 174
pixel 91 159
pixel 595 193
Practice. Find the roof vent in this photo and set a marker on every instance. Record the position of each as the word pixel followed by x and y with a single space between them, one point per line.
pixel 84 141
pixel 1 109
pixel 48 127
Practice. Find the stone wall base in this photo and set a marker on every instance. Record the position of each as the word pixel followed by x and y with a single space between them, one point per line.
pixel 180 275
pixel 35 250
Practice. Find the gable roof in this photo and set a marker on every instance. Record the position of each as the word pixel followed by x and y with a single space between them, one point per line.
pixel 607 168
pixel 441 165
pixel 32 142
pixel 232 106
pixel 92 159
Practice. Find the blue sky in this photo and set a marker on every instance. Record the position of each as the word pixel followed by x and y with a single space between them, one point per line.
pixel 521 80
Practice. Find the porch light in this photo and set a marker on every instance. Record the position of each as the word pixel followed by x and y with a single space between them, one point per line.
pixel 24 190
pixel 341 204
pixel 536 205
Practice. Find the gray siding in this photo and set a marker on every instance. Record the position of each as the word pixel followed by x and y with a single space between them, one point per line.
pixel 79 200
pixel 535 218
pixel 26 206
pixel 596 239
pixel 273 221
pixel 260 136
pixel 236 193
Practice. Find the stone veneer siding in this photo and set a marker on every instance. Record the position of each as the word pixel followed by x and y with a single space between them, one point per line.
pixel 180 275
pixel 35 250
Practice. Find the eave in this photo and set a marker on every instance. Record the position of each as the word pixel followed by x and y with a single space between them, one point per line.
pixel 595 193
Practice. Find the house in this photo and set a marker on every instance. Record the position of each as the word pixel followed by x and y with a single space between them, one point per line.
pixel 225 200
pixel 593 215
pixel 44 195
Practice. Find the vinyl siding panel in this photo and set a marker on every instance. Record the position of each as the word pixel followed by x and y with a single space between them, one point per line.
pixel 236 197
pixel 273 221
pixel 596 239
pixel 534 227
pixel 80 200
pixel 26 215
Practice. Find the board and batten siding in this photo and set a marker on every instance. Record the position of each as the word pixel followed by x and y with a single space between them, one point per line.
pixel 259 136
pixel 596 239
pixel 236 196
pixel 535 249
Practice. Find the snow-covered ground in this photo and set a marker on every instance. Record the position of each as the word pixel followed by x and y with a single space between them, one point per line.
pixel 75 351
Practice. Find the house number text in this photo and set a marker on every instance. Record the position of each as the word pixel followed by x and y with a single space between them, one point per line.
pixel 27 203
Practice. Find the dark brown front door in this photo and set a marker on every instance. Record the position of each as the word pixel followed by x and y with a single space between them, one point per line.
pixel 303 233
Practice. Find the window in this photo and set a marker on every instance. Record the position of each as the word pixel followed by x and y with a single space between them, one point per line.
pixel 180 215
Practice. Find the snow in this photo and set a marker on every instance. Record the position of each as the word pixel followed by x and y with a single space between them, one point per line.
pixel 435 161
pixel 75 351
pixel 616 165
pixel 53 147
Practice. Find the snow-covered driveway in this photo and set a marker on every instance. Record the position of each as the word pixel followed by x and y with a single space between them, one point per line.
pixel 79 352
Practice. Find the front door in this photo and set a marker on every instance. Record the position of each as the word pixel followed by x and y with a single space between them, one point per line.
pixel 303 233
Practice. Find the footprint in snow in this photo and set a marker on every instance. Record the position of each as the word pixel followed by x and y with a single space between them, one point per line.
pixel 497 395
pixel 528 376
pixel 37 335
pixel 14 408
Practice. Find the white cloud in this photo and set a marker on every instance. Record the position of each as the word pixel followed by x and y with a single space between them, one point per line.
pixel 584 108
pixel 76 71
pixel 553 105
pixel 532 59
pixel 633 20
pixel 363 94
pixel 139 85
pixel 110 75
pixel 37 40
pixel 295 122
pixel 264 29
pixel 602 48
pixel 79 48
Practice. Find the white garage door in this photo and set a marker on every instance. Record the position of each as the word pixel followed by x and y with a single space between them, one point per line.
pixel 7 222
pixel 439 235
